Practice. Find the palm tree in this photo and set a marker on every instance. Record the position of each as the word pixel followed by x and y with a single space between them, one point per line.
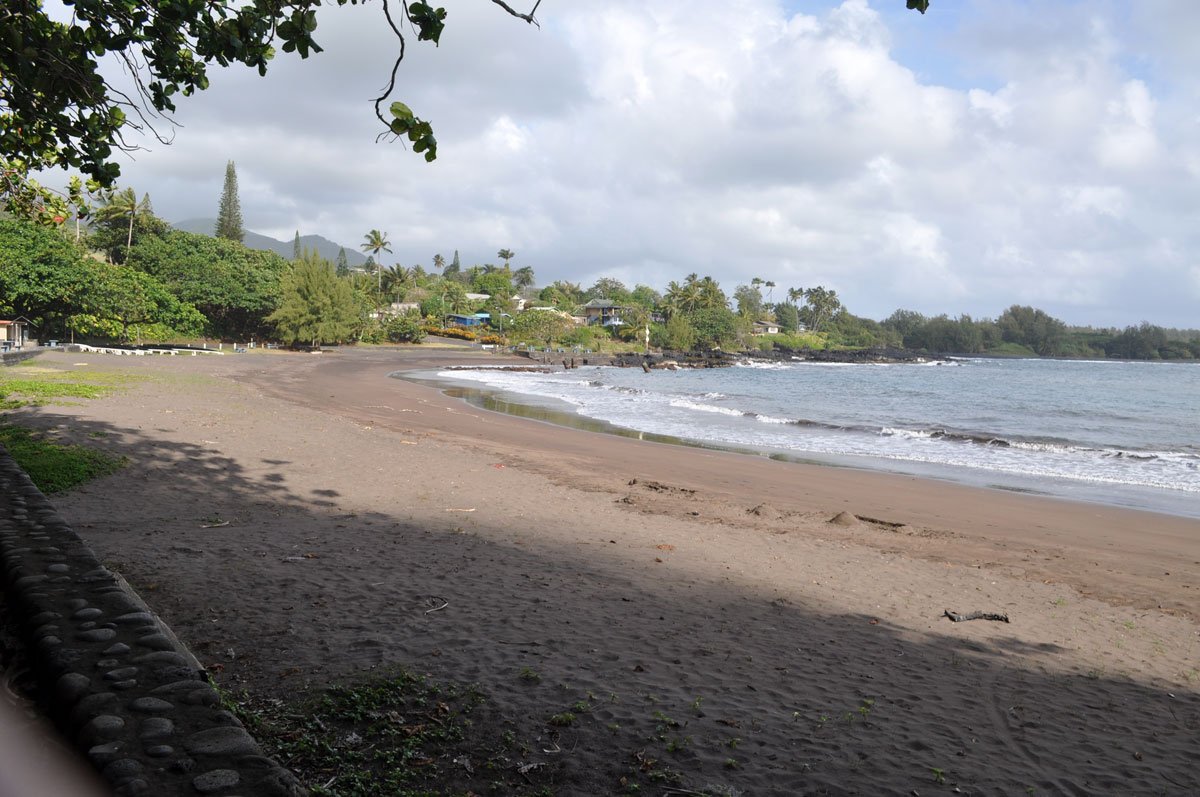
pixel 823 305
pixel 523 278
pixel 122 204
pixel 396 278
pixel 439 262
pixel 506 255
pixel 376 242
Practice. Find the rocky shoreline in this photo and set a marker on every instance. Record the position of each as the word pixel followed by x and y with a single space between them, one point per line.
pixel 725 359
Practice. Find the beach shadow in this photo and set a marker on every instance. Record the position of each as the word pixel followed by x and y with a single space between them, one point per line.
pixel 723 685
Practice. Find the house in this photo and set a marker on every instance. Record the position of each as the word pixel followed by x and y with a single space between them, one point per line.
pixel 603 312
pixel 14 334
pixel 394 309
pixel 765 328
pixel 474 320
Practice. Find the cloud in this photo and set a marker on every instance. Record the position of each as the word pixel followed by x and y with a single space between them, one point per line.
pixel 1052 165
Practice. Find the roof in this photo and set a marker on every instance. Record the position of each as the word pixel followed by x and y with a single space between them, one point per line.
pixel 602 304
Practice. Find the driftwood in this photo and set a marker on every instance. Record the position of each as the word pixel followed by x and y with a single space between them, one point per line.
pixel 959 618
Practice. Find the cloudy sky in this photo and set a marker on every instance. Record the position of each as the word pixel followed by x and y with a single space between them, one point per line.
pixel 985 154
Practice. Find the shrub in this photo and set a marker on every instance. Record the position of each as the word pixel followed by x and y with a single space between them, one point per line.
pixel 405 329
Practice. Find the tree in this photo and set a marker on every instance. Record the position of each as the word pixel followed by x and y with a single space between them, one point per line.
pixel 396 281
pixel 343 265
pixel 787 317
pixel 607 288
pixel 316 306
pixel 749 301
pixel 821 304
pixel 1031 327
pixel 124 205
pixel 439 262
pixel 376 242
pixel 42 275
pixel 645 296
pixel 229 211
pixel 523 278
pixel 131 298
pixel 694 294
pixel 296 247
pixel 235 288
pixel 506 255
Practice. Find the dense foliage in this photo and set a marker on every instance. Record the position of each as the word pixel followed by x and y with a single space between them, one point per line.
pixel 234 287
pixel 132 277
pixel 316 307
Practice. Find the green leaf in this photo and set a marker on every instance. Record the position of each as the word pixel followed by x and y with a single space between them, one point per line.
pixel 401 112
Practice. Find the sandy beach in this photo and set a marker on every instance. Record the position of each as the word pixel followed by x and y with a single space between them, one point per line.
pixel 303 519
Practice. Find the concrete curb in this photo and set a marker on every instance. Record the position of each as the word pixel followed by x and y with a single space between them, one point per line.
pixel 130 695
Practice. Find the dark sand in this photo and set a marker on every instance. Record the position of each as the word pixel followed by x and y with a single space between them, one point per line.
pixel 356 503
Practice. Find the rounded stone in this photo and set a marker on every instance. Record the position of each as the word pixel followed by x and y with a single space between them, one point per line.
pixel 134 618
pixel 87 624
pixel 44 617
pixel 116 649
pixel 205 696
pixel 96 635
pixel 94 704
pixel 133 786
pixel 150 705
pixel 121 674
pixel 26 581
pixel 216 780
pixel 156 728
pixel 49 641
pixel 58 567
pixel 159 750
pixel 123 768
pixel 104 726
pixel 126 684
pixel 155 641
pixel 105 664
pixel 103 753
pixel 183 685
pixel 76 603
pixel 88 613
pixel 221 741
pixel 72 686
pixel 46 630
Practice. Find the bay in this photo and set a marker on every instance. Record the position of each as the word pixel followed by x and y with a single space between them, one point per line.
pixel 1120 433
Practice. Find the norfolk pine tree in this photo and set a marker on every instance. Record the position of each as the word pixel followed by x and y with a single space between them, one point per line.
pixel 229 212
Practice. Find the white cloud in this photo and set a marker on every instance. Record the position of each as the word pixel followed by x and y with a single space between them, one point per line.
pixel 646 141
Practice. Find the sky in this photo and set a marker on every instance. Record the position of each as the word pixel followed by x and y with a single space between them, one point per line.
pixel 982 155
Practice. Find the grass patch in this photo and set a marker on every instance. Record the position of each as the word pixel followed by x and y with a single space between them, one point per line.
pixel 54 467
pixel 398 734
pixel 36 387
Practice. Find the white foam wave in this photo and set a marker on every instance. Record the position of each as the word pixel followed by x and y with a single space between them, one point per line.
pixel 698 407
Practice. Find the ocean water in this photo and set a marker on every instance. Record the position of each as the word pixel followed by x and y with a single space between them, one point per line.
pixel 1125 433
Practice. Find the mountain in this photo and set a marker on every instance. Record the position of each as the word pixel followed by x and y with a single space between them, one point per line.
pixel 253 240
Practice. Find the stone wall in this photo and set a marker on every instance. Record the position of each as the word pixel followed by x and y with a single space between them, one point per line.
pixel 121 686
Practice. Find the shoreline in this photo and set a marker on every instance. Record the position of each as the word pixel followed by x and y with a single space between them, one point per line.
pixel 641 578
pixel 1135 497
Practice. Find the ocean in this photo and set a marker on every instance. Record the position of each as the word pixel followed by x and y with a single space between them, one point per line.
pixel 1122 433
